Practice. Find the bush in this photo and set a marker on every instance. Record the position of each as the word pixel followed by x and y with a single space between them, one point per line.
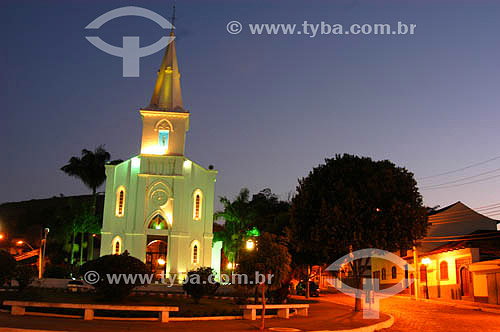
pixel 24 275
pixel 7 267
pixel 57 271
pixel 114 265
pixel 200 283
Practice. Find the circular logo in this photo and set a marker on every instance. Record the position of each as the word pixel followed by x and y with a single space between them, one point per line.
pixel 91 277
pixel 234 27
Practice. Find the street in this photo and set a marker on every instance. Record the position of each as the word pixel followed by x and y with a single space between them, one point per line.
pixel 411 315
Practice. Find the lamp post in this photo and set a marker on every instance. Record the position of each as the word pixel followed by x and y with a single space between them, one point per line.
pixel 426 261
pixel 42 253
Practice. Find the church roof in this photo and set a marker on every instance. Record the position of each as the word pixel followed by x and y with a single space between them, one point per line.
pixel 167 95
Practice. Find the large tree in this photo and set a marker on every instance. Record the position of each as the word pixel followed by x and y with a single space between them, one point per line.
pixel 351 203
pixel 90 169
pixel 272 215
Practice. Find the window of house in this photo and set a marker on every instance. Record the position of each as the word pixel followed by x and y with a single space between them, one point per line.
pixel 393 272
pixel 120 202
pixel 198 199
pixel 443 270
pixel 384 274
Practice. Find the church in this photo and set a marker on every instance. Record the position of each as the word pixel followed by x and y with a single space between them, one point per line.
pixel 159 205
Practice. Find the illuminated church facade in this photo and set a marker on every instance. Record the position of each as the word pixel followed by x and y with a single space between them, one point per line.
pixel 159 205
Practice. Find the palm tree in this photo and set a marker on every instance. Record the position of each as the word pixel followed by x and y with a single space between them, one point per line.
pixel 238 216
pixel 90 169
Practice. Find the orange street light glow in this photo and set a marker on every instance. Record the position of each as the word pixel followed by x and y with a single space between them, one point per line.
pixel 161 261
pixel 20 242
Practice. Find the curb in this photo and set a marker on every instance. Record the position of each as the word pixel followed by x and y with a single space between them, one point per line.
pixel 451 304
pixel 370 328
pixel 10 329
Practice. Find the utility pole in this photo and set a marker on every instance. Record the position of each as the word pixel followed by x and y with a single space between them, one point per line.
pixel 417 272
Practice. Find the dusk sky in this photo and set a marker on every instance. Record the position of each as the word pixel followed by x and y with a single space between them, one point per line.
pixel 265 109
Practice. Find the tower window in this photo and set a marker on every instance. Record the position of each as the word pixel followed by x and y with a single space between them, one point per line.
pixel 384 274
pixel 394 272
pixel 163 139
pixel 198 198
pixel 120 202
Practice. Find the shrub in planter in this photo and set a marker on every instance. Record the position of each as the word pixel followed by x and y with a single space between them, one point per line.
pixel 200 282
pixel 117 266
pixel 24 275
pixel 7 267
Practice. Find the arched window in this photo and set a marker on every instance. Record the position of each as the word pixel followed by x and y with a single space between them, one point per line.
pixel 393 272
pixel 197 204
pixel 443 270
pixel 195 252
pixel 158 222
pixel 120 202
pixel 384 274
pixel 116 246
pixel 423 273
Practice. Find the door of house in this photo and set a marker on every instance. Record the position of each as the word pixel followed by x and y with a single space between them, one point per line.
pixel 492 287
pixel 412 282
pixel 464 281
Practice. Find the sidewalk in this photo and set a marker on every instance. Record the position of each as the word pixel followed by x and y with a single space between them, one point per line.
pixel 322 316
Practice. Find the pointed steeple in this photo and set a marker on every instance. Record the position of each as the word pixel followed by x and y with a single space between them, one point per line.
pixel 167 94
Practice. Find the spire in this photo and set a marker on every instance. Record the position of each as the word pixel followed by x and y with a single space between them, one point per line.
pixel 167 93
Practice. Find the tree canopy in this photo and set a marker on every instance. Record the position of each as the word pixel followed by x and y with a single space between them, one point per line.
pixel 350 203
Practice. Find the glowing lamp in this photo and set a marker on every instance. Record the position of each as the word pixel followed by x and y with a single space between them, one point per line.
pixel 1 236
pixel 426 261
pixel 19 242
pixel 229 265
pixel 161 261
pixel 250 244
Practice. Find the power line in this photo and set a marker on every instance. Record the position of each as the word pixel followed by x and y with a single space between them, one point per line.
pixel 464 236
pixel 459 169
pixel 459 180
pixel 458 240
pixel 446 214
pixel 463 184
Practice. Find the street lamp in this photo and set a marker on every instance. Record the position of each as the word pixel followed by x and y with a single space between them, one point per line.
pixel 2 236
pixel 21 242
pixel 426 261
pixel 250 244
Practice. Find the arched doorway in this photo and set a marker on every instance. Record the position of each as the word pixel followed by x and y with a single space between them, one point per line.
pixel 156 254
pixel 464 281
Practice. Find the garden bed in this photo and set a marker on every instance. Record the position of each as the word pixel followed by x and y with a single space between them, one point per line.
pixel 187 307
